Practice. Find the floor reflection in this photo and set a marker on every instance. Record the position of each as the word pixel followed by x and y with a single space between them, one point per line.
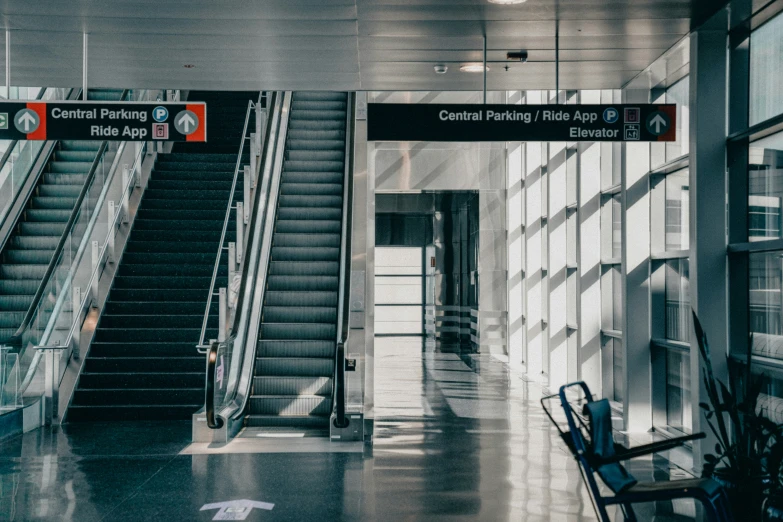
pixel 457 437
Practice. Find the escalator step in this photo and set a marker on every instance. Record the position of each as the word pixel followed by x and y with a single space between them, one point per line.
pixel 305 254
pixel 289 405
pixel 303 421
pixel 294 366
pixel 291 283
pixel 299 314
pixel 298 331
pixel 320 189
pixel 310 213
pixel 304 226
pixel 309 298
pixel 297 268
pixel 296 348
pixel 320 386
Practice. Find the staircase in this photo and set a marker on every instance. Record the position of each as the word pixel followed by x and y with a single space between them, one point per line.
pixel 143 363
pixel 29 248
pixel 292 385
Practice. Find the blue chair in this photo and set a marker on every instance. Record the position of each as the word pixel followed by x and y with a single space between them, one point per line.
pixel 589 438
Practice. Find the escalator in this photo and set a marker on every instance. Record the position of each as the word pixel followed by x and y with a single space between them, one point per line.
pixel 142 363
pixel 293 383
pixel 30 246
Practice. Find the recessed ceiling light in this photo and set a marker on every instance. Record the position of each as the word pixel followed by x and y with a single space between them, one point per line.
pixel 441 68
pixel 188 66
pixel 472 67
pixel 507 2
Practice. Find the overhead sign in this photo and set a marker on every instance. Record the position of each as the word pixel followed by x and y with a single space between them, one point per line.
pixel 236 509
pixel 436 122
pixel 114 121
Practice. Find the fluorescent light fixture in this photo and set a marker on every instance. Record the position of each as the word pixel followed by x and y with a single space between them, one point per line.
pixel 472 67
pixel 507 2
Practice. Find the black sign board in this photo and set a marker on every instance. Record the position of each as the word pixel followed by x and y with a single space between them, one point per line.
pixel 471 123
pixel 116 121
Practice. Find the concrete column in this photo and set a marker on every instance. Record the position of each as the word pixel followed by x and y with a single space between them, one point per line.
pixel 635 201
pixel 515 246
pixel 589 358
pixel 708 261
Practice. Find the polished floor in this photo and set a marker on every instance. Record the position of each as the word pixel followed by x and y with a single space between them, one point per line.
pixel 457 437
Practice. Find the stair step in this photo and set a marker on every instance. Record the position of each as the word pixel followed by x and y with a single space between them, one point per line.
pixel 164 320
pixel 139 365
pixel 141 380
pixel 116 412
pixel 136 333
pixel 137 396
pixel 147 349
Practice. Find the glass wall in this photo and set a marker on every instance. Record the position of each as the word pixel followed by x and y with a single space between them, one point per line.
pixel 766 71
pixel 765 187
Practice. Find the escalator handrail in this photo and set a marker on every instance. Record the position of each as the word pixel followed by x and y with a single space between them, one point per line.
pixel 226 220
pixel 343 303
pixel 16 338
pixel 212 422
pixel 248 304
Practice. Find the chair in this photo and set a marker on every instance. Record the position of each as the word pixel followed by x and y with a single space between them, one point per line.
pixel 589 438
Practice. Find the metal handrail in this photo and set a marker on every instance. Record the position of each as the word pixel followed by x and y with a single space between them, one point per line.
pixel 96 273
pixel 343 304
pixel 17 336
pixel 226 220
pixel 251 291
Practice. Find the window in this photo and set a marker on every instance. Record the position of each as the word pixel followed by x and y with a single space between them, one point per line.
pixel 678 304
pixel 766 71
pixel 764 288
pixel 678 93
pixel 765 188
pixel 616 226
pixel 678 391
pixel 676 212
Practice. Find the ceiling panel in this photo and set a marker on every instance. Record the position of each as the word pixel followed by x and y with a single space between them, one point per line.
pixel 345 44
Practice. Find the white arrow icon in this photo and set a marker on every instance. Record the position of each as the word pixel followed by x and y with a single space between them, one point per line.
pixel 26 119
pixel 236 509
pixel 186 121
pixel 657 122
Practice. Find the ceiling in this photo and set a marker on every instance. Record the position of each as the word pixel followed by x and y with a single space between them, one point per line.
pixel 340 44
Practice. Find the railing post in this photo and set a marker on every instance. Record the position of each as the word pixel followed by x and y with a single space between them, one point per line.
pixel 246 193
pixel 232 264
pixel 111 231
pixel 125 200
pixel 260 127
pixel 96 258
pixel 51 385
pixel 222 314
pixel 76 304
pixel 253 157
pixel 240 231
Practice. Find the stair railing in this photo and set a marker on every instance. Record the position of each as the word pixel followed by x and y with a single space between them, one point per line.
pixel 72 278
pixel 343 302
pixel 230 362
pixel 235 249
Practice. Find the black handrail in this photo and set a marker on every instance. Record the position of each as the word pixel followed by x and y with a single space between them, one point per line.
pixel 16 338
pixel 340 420
pixel 212 422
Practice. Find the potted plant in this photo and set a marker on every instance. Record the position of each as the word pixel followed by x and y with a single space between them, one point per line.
pixel 745 437
pixel 773 504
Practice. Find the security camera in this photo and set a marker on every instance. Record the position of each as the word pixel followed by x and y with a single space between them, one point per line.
pixel 441 69
pixel 517 56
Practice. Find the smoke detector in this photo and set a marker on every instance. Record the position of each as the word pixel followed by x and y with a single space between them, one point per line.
pixel 441 68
